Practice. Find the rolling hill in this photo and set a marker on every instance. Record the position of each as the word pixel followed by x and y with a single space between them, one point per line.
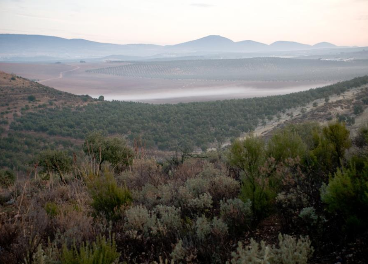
pixel 38 47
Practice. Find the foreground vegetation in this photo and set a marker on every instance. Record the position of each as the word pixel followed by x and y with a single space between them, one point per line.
pixel 300 197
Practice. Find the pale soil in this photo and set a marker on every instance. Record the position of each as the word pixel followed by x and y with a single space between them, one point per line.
pixel 73 78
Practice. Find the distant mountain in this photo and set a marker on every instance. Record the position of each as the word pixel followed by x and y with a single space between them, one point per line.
pixel 251 46
pixel 324 45
pixel 288 46
pixel 38 45
pixel 209 43
pixel 19 47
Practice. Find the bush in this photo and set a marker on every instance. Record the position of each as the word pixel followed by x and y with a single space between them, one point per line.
pixel 309 216
pixel 55 161
pixel 347 194
pixel 205 227
pixel 31 98
pixel 252 254
pixel 7 178
pixel 51 209
pixel 113 150
pixel 163 221
pixel 236 213
pixel 358 109
pixel 168 219
pixel 107 196
pixel 151 195
pixel 286 144
pixel 330 146
pixel 261 194
pixel 103 251
pixel 139 220
pixel 289 251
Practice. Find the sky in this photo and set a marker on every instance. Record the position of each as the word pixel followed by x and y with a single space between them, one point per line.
pixel 165 22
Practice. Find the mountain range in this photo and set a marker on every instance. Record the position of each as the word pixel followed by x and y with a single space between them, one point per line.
pixel 26 46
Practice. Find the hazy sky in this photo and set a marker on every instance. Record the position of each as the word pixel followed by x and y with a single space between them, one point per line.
pixel 342 22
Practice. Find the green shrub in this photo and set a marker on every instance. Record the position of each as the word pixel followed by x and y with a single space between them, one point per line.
pixel 113 150
pixel 103 251
pixel 286 144
pixel 7 178
pixel 347 194
pixel 107 196
pixel 261 194
pixel 55 161
pixel 51 209
pixel 31 98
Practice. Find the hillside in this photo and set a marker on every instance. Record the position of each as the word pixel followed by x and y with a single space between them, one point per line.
pixel 19 95
pixel 191 126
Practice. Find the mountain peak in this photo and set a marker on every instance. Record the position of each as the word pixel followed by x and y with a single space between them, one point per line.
pixel 288 45
pixel 322 45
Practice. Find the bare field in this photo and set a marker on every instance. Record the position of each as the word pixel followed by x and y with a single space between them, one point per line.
pixel 73 78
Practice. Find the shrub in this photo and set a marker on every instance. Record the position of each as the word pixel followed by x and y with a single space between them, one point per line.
pixel 204 227
pixel 168 219
pixel 286 144
pixel 55 161
pixel 358 109
pixel 163 220
pixel 179 253
pixel 261 194
pixel 151 195
pixel 7 178
pixel 107 196
pixel 289 251
pixel 113 150
pixel 329 148
pixel 31 98
pixel 49 255
pixel 254 253
pixel 236 213
pixel 51 209
pixel 346 193
pixel 219 227
pixel 308 214
pixel 139 220
pixel 223 187
pixel 204 201
pixel 103 251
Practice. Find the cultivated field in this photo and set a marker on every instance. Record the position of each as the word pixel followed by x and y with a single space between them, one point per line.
pixel 189 81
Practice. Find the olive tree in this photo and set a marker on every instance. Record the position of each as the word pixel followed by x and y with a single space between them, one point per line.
pixel 110 149
pixel 55 161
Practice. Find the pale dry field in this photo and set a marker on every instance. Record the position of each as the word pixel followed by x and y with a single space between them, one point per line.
pixel 73 78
